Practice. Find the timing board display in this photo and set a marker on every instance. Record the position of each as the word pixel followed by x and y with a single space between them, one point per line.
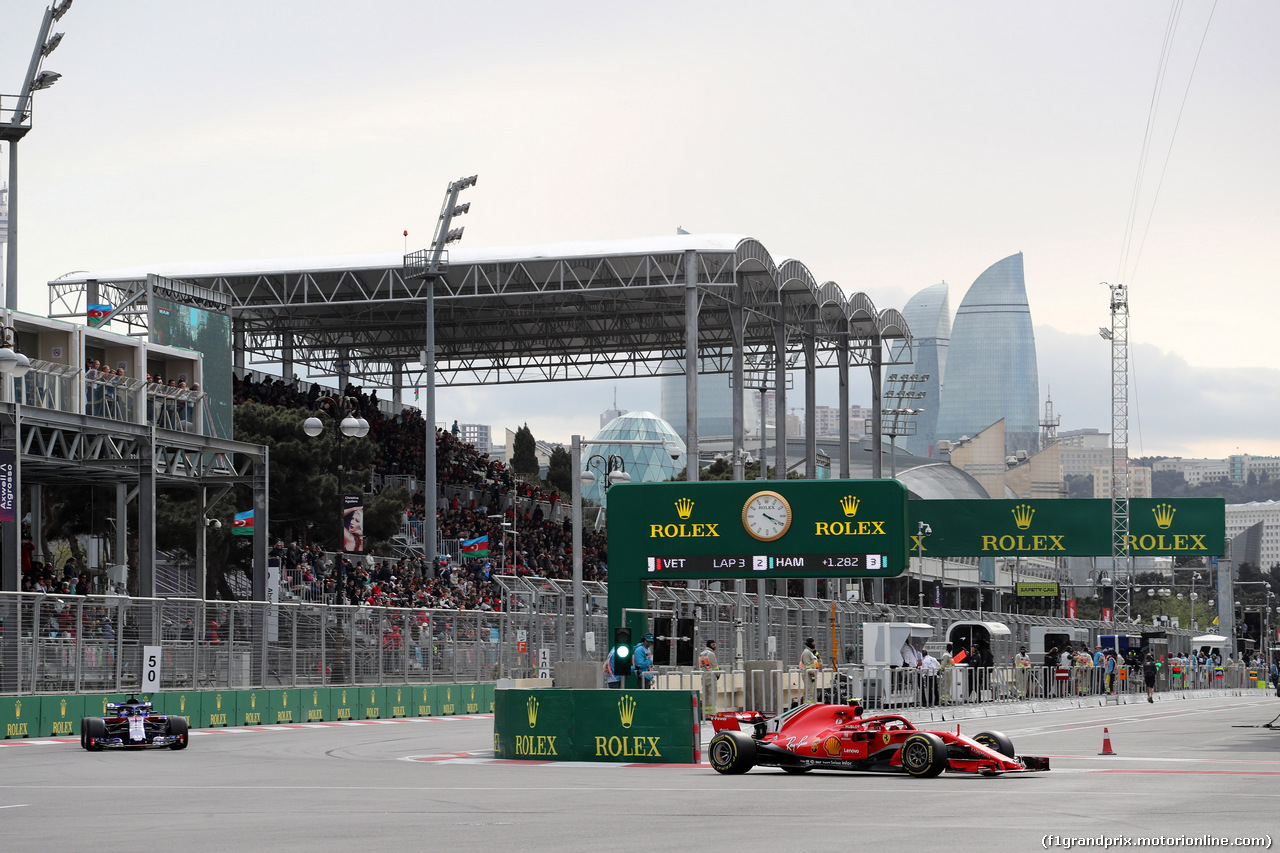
pixel 782 528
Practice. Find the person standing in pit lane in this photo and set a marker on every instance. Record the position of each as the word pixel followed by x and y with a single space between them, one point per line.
pixel 611 680
pixel 708 665
pixel 642 663
pixel 1149 676
pixel 810 666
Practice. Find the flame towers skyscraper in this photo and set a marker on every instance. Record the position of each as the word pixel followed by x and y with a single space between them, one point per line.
pixel 991 368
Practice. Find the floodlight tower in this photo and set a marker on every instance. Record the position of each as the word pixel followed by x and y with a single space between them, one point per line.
pixel 15 122
pixel 1118 334
pixel 431 265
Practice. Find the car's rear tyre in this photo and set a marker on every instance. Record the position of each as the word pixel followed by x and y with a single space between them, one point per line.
pixel 732 752
pixel 924 755
pixel 998 741
pixel 92 732
pixel 178 726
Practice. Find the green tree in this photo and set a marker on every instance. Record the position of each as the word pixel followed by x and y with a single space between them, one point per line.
pixel 1079 485
pixel 524 459
pixel 560 470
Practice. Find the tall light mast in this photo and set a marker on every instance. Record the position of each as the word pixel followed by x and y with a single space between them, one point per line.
pixel 1121 559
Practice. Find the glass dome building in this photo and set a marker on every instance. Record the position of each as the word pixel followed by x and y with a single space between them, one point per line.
pixel 645 463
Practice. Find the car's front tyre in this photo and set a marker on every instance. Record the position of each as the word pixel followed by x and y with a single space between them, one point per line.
pixel 178 727
pixel 924 755
pixel 998 741
pixel 92 732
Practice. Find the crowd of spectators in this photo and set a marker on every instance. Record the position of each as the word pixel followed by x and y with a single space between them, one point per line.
pixel 170 404
pixel 544 544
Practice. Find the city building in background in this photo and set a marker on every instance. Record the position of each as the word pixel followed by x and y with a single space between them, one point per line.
pixel 1264 548
pixel 991 371
pixel 928 314
pixel 1241 467
pixel 645 463
pixel 609 414
pixel 480 435
pixel 1082 450
pixel 1196 471
pixel 1139 481
pixel 715 404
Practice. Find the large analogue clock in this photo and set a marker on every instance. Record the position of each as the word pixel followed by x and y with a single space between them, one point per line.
pixel 766 516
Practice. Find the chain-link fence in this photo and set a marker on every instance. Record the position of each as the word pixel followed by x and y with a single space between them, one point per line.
pixel 57 644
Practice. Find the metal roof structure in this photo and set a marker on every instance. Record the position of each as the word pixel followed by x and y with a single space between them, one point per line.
pixel 555 312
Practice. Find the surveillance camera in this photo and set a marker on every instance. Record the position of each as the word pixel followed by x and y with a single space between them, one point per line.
pixel 673 450
pixel 213 523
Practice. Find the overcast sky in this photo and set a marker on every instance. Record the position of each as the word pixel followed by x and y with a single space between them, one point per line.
pixel 887 145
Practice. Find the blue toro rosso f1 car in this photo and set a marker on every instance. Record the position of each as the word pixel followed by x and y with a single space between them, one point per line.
pixel 839 737
pixel 132 724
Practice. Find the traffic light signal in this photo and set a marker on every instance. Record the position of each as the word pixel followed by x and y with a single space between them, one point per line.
pixel 622 651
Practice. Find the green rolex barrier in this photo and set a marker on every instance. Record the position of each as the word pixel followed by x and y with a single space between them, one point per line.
pixel 316 705
pixel 20 716
pixel 217 708
pixel 448 696
pixel 426 702
pixel 285 706
pixel 185 703
pixel 634 726
pixel 371 703
pixel 60 715
pixel 251 708
pixel 472 698
pixel 343 700
pixel 398 701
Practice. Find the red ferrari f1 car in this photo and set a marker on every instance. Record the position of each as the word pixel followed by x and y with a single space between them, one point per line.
pixel 838 737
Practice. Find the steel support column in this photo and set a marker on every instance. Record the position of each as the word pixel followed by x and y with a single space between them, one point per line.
pixel 779 396
pixel 842 361
pixel 202 540
pixel 261 526
pixel 147 517
pixel 691 364
pixel 575 492
pixel 877 428
pixel 738 393
pixel 810 404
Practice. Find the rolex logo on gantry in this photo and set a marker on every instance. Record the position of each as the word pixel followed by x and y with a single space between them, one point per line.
pixel 684 508
pixel 849 504
pixel 1022 515
pixel 1164 515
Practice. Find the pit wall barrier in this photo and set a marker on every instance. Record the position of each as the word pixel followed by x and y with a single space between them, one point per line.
pixel 632 726
pixel 59 716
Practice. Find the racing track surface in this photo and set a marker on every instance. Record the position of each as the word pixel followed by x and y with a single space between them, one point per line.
pixel 1182 769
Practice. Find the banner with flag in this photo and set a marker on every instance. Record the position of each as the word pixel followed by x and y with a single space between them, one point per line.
pixel 243 524
pixel 95 314
pixel 476 547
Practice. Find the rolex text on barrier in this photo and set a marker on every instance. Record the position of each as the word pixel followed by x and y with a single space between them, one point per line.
pixel 649 726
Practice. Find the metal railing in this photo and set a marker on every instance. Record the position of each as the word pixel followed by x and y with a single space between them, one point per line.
pixel 885 689
pixel 54 644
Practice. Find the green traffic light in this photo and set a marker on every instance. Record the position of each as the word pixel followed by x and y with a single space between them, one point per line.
pixel 623 651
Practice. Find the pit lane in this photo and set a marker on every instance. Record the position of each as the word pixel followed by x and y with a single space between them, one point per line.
pixel 1181 768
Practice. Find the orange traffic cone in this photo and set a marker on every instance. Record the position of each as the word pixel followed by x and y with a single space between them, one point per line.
pixel 1106 743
